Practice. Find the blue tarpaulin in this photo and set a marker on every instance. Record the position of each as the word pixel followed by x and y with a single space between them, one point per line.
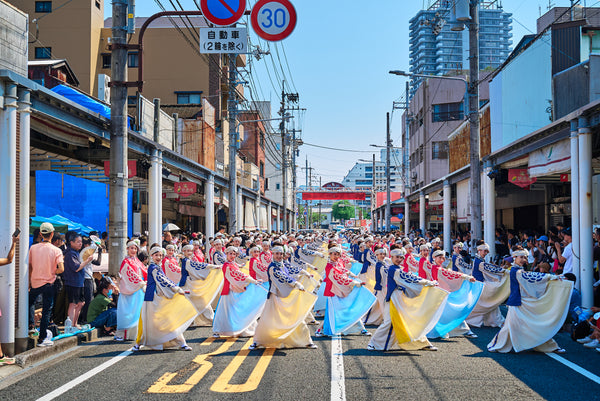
pixel 79 200
pixel 84 100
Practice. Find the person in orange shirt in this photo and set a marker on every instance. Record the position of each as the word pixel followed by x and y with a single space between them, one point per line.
pixel 45 262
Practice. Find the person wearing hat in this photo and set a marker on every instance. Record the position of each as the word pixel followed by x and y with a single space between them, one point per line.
pixel 102 312
pixel 375 314
pixel 265 255
pixel 218 253
pixel 282 322
pixel 258 270
pixel 411 308
pixel 456 248
pixel 241 303
pixel 410 264
pixel 170 264
pixel 201 282
pixel 424 264
pixel 345 304
pixel 132 285
pixel 166 312
pixel 537 307
pixel 45 262
pixel 198 255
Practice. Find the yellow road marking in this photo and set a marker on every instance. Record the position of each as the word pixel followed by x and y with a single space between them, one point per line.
pixel 221 385
pixel 162 384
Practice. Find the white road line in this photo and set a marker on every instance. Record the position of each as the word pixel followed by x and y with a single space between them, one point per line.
pixel 80 379
pixel 575 367
pixel 338 387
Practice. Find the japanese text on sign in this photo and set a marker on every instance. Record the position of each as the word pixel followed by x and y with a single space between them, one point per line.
pixel 223 40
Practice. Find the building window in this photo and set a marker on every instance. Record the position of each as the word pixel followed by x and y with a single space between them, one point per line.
pixel 439 150
pixel 277 186
pixel 132 100
pixel 133 60
pixel 189 97
pixel 368 169
pixel 98 6
pixel 262 140
pixel 43 6
pixel 106 60
pixel 261 167
pixel 266 184
pixel 43 52
pixel 447 112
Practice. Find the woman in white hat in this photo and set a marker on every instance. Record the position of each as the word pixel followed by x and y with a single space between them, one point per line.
pixel 241 302
pixel 410 311
pixel 218 257
pixel 170 264
pixel 537 307
pixel 201 281
pixel 132 285
pixel 375 314
pixel 282 323
pixel 266 257
pixel 346 305
pixel 424 264
pixel 166 312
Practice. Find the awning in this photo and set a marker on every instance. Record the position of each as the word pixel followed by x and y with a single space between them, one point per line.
pixel 551 159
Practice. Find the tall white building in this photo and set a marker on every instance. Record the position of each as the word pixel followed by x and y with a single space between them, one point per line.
pixel 361 176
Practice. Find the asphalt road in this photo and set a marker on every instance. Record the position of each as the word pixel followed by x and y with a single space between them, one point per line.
pixel 225 370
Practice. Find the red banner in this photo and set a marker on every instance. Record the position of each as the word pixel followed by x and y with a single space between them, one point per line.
pixel 334 195
pixel 185 189
pixel 520 177
pixel 381 197
pixel 131 168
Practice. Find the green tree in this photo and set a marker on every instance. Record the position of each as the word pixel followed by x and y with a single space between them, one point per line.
pixel 342 210
pixel 315 218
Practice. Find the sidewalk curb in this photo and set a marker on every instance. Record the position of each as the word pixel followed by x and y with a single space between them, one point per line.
pixel 39 354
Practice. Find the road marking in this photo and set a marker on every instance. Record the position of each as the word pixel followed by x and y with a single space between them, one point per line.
pixel 221 385
pixel 87 375
pixel 162 384
pixel 338 387
pixel 575 367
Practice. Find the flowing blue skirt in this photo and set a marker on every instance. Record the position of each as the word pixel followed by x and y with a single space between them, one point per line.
pixel 343 313
pixel 321 302
pixel 356 268
pixel 129 309
pixel 238 310
pixel 459 305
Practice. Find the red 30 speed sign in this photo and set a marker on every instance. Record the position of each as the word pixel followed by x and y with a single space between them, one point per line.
pixel 273 20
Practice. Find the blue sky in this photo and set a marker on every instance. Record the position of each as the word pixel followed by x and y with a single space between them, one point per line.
pixel 339 56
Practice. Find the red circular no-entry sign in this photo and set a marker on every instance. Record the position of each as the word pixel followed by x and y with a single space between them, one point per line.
pixel 273 20
pixel 223 12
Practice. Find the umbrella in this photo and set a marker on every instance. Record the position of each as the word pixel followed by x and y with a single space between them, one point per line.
pixel 170 227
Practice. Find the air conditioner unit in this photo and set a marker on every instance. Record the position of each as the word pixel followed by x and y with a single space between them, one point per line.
pixel 104 88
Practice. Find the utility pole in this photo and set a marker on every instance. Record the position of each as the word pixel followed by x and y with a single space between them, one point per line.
pixel 388 206
pixel 283 157
pixel 320 203
pixel 309 187
pixel 473 94
pixel 373 192
pixel 309 212
pixel 117 222
pixel 294 175
pixel 233 144
pixel 407 163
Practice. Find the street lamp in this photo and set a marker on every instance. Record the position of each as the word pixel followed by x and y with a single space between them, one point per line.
pixel 372 191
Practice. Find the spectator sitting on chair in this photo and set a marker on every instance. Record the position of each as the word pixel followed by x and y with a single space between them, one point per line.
pixel 102 312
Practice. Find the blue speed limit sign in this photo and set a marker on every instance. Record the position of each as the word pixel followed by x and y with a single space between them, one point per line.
pixel 273 20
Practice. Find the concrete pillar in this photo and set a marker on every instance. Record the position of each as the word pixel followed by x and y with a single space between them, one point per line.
pixel 489 207
pixel 155 198
pixel 269 217
pixel 209 210
pixel 586 242
pixel 241 224
pixel 24 105
pixel 422 213
pixel 447 217
pixel 258 210
pixel 575 199
pixel 8 205
pixel 406 215
pixel 278 228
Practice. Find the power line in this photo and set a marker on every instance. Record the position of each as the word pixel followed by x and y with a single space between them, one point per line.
pixel 336 149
